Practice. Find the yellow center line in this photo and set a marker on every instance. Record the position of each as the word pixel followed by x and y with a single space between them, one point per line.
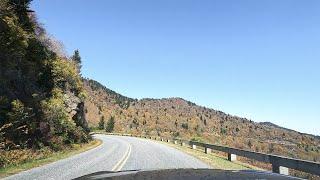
pixel 123 160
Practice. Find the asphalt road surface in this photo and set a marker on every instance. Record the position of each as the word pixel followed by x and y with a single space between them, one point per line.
pixel 114 154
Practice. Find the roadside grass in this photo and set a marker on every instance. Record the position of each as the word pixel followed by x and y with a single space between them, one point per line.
pixel 214 160
pixel 99 131
pixel 75 149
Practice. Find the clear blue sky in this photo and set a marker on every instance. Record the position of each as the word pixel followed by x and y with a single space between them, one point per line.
pixel 255 59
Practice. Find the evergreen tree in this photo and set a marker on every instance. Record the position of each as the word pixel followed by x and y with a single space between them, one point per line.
pixel 77 59
pixel 110 124
pixel 101 123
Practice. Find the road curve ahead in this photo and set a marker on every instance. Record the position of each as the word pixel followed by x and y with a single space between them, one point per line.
pixel 114 154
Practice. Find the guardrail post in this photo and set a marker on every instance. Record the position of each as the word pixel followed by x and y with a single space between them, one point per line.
pixel 161 139
pixel 183 144
pixel 232 157
pixel 194 146
pixel 175 142
pixel 280 169
pixel 207 150
pixel 168 140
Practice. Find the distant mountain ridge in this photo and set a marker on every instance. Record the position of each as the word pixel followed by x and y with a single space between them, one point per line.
pixel 280 127
pixel 277 126
pixel 176 117
pixel 121 100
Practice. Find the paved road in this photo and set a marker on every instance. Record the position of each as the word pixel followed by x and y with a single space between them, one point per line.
pixel 116 153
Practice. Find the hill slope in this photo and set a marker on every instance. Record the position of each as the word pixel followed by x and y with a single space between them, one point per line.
pixel 180 118
pixel 41 92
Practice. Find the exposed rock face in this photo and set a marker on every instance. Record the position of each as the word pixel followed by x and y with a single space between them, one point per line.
pixel 80 117
pixel 75 108
pixel 71 101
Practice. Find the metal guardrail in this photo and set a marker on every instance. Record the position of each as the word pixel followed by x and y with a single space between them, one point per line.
pixel 280 164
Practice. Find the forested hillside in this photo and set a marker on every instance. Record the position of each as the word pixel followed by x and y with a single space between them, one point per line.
pixel 45 104
pixel 41 91
pixel 177 117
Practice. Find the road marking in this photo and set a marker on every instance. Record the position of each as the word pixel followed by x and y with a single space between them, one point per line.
pixel 123 160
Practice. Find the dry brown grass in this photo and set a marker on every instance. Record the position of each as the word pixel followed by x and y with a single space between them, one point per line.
pixel 15 161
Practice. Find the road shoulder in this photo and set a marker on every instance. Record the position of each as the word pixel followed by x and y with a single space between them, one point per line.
pixel 214 160
pixel 14 169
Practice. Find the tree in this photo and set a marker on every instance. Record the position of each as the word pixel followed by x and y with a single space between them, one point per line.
pixel 185 126
pixel 101 123
pixel 18 125
pixel 77 59
pixel 21 9
pixel 110 124
pixel 250 144
pixel 223 131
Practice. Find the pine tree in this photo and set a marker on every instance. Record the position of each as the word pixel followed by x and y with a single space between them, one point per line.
pixel 77 59
pixel 101 123
pixel 110 124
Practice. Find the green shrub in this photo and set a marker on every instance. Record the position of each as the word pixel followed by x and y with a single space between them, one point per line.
pixel 197 139
pixel 185 126
pixel 223 131
pixel 18 127
pixel 56 143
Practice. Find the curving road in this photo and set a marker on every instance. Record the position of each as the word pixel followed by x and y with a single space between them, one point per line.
pixel 116 153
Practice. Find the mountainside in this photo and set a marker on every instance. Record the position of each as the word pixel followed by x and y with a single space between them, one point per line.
pixel 41 91
pixel 180 118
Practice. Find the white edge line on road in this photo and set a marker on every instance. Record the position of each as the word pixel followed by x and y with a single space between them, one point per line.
pixel 123 160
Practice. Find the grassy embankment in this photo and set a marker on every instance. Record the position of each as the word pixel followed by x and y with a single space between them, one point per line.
pixel 40 159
